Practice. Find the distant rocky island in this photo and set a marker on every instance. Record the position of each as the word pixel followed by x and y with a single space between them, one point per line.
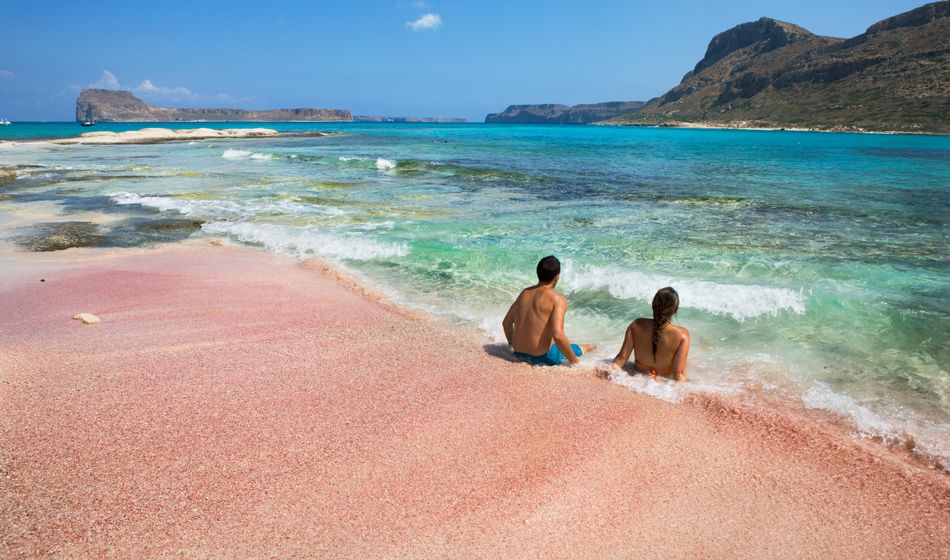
pixel 768 73
pixel 563 114
pixel 371 118
pixel 105 105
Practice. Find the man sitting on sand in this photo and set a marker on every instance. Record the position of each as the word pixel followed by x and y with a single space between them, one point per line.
pixel 534 326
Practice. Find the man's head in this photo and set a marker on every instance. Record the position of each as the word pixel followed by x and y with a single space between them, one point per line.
pixel 549 268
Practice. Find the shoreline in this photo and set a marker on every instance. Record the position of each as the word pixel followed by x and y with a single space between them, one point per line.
pixel 737 126
pixel 116 138
pixel 594 448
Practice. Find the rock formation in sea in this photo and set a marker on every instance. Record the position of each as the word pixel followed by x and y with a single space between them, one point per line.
pixel 562 114
pixel 768 73
pixel 103 105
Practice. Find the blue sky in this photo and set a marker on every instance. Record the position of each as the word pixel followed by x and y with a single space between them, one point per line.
pixel 460 58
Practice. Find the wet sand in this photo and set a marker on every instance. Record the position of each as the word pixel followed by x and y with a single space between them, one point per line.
pixel 233 404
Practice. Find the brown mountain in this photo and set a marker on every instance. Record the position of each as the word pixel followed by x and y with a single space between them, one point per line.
pixel 551 113
pixel 768 73
pixel 103 105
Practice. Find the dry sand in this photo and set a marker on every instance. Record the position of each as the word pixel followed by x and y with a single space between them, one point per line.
pixel 233 404
pixel 155 135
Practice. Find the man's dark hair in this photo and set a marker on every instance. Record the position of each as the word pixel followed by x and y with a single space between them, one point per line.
pixel 548 268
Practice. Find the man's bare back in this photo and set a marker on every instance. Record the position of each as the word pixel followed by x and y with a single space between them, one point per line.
pixel 536 318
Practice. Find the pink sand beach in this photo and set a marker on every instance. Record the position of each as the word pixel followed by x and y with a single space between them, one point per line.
pixel 234 404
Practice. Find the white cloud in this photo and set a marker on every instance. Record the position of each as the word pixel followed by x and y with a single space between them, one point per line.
pixel 6 73
pixel 427 21
pixel 106 81
pixel 150 91
pixel 153 92
pixel 148 88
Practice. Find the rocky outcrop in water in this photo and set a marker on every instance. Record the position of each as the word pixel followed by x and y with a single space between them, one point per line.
pixel 103 105
pixel 768 73
pixel 550 113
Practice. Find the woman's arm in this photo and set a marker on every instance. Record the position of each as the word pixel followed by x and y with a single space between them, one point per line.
pixel 679 358
pixel 624 355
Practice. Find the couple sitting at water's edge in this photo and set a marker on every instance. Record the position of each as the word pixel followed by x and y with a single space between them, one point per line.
pixel 534 326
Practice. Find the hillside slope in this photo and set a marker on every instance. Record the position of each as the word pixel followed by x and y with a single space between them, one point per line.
pixel 768 73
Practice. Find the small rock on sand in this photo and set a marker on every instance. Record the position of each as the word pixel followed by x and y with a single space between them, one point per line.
pixel 88 318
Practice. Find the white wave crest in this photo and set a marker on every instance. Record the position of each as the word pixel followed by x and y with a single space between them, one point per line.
pixel 218 208
pixel 385 164
pixel 163 203
pixel 244 154
pixel 740 301
pixel 305 242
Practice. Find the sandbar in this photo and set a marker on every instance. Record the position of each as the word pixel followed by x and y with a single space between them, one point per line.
pixel 156 135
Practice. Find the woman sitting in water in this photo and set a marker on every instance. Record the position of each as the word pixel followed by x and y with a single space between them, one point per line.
pixel 659 347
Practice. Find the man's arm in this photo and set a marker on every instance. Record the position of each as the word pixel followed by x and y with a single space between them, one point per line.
pixel 624 355
pixel 508 323
pixel 557 327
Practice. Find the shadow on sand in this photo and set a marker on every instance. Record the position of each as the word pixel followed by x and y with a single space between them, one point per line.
pixel 502 351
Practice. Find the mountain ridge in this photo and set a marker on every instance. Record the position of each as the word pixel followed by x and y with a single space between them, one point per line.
pixel 893 77
pixel 555 113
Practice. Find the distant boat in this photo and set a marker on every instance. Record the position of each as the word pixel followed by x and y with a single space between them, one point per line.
pixel 88 122
pixel 5 122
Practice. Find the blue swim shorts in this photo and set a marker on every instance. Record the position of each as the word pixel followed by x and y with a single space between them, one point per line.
pixel 554 357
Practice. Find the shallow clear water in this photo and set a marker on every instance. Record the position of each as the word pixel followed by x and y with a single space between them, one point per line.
pixel 811 265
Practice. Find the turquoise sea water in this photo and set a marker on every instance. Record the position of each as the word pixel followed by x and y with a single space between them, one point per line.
pixel 812 267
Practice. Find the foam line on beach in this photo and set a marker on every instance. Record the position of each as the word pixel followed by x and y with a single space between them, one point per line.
pixel 927 441
pixel 739 301
pixel 306 242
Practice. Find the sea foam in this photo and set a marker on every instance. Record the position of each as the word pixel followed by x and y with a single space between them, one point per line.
pixel 305 242
pixel 821 396
pixel 244 154
pixel 663 389
pixel 219 208
pixel 928 438
pixel 740 301
pixel 385 164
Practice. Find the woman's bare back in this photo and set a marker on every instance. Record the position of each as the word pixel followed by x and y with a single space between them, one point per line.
pixel 671 351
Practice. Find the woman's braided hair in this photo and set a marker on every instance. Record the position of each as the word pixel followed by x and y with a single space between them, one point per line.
pixel 665 303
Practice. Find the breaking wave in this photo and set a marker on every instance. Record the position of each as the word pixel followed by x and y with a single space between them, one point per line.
pixel 385 164
pixel 217 208
pixel 739 301
pixel 244 154
pixel 305 242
